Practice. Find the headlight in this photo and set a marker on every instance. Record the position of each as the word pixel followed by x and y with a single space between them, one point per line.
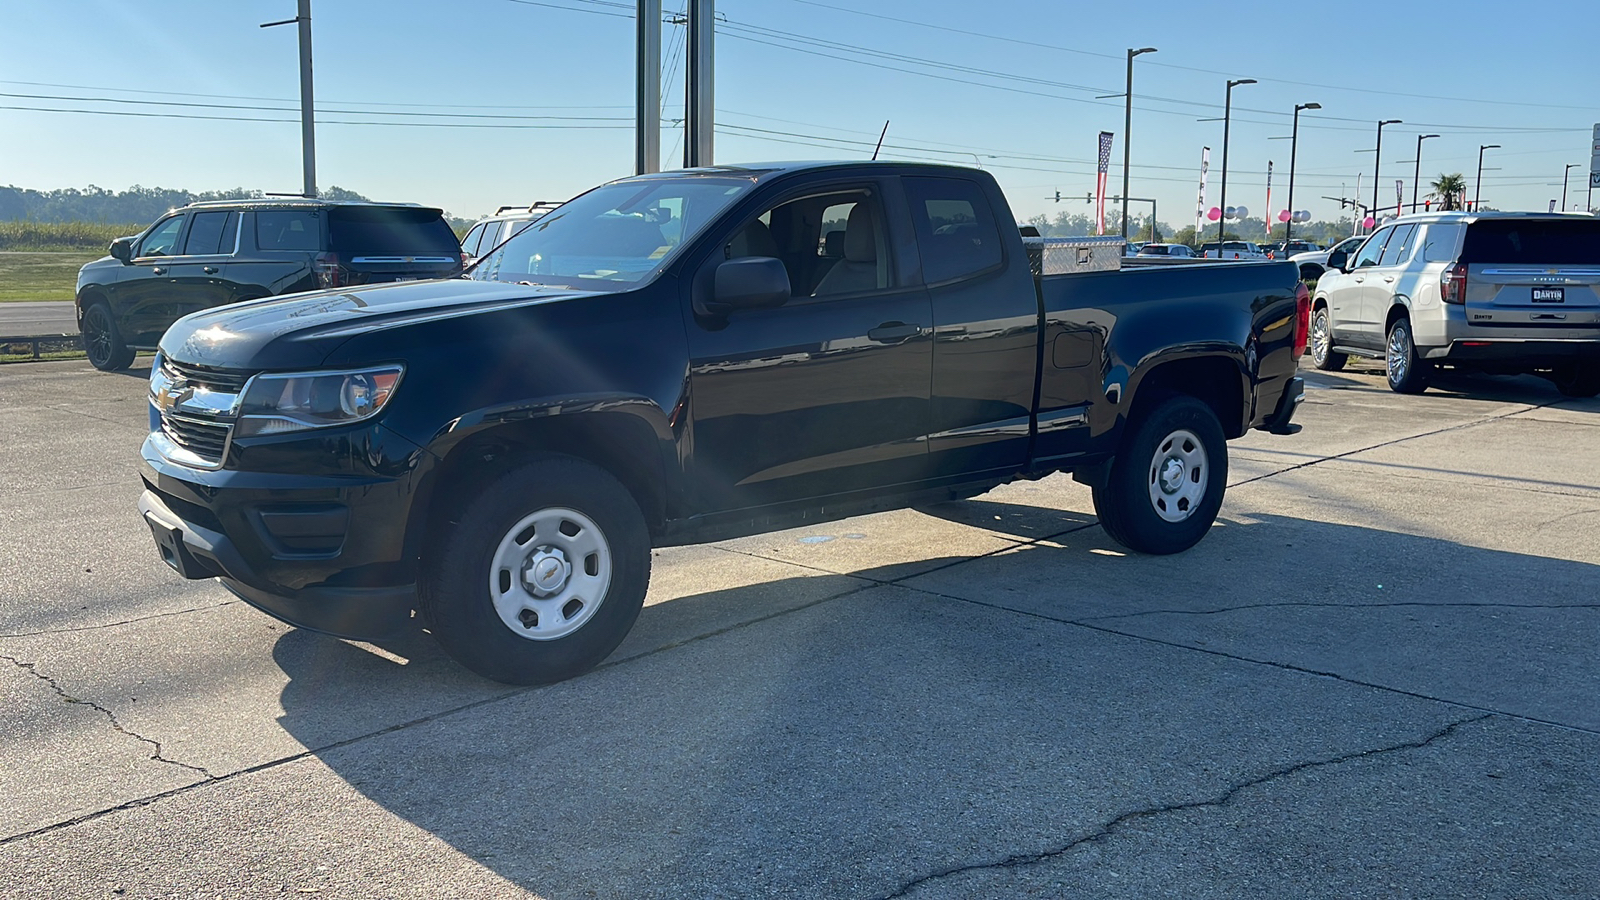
pixel 278 404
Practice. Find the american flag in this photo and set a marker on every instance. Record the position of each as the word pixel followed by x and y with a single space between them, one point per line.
pixel 1100 179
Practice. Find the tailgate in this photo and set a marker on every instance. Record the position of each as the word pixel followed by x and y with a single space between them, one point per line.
pixel 1525 296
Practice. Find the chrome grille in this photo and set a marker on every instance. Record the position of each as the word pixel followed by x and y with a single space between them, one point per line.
pixel 207 440
pixel 220 380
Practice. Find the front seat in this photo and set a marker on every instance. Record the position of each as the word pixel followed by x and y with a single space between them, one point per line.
pixel 858 271
pixel 754 239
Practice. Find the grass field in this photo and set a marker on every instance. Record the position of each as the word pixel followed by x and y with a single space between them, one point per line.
pixel 41 276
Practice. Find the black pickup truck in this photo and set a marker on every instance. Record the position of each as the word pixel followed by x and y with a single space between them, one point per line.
pixel 684 357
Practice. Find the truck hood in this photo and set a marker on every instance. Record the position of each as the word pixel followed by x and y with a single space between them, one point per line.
pixel 300 330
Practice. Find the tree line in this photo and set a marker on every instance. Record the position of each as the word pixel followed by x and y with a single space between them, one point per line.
pixel 136 205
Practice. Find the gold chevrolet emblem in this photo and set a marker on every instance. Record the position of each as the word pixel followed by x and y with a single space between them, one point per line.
pixel 172 395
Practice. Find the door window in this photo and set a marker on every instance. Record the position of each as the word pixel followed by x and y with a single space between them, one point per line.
pixel 211 234
pixel 797 233
pixel 469 244
pixel 163 239
pixel 955 228
pixel 1372 250
pixel 282 229
pixel 1438 242
pixel 490 237
pixel 1398 250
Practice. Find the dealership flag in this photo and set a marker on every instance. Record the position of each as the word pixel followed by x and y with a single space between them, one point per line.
pixel 1100 180
pixel 1399 195
pixel 1268 214
pixel 1200 208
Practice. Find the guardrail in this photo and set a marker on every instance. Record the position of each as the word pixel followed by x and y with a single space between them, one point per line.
pixel 38 345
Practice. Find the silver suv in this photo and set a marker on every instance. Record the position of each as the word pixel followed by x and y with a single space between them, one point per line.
pixel 491 231
pixel 1507 293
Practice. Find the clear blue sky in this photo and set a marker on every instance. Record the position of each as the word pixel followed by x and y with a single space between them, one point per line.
pixel 1012 82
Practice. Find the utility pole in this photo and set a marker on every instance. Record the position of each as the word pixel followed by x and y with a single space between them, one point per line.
pixel 1376 163
pixel 699 118
pixel 1564 174
pixel 1477 187
pixel 1127 134
pixel 1222 200
pixel 1416 180
pixel 647 89
pixel 308 127
pixel 1294 144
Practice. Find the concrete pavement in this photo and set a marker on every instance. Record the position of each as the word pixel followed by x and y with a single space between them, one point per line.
pixel 1376 677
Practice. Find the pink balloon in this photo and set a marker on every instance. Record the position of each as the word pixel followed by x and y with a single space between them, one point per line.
pixel 1368 222
pixel 1213 214
pixel 1283 216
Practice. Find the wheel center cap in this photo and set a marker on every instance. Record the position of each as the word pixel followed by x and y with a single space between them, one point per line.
pixel 1171 475
pixel 546 571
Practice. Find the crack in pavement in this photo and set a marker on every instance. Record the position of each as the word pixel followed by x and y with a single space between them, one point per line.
pixel 156 754
pixel 178 612
pixel 1107 830
pixel 1311 605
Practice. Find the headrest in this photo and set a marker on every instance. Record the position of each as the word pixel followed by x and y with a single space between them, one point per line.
pixel 833 244
pixel 860 242
pixel 754 239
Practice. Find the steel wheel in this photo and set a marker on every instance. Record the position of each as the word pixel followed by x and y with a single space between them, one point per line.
pixel 550 574
pixel 1178 476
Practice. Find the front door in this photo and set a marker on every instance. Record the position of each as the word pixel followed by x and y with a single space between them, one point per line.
pixel 143 294
pixel 828 393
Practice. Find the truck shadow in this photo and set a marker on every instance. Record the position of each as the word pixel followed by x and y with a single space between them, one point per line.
pixel 843 735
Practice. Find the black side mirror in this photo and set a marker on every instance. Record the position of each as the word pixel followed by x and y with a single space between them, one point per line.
pixel 755 282
pixel 1338 259
pixel 122 249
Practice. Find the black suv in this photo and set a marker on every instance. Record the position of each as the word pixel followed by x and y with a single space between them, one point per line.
pixel 209 254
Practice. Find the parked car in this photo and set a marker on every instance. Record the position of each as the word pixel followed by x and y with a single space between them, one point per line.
pixel 228 251
pixel 1170 250
pixel 675 359
pixel 1312 262
pixel 1286 249
pixel 1492 292
pixel 487 233
pixel 1232 250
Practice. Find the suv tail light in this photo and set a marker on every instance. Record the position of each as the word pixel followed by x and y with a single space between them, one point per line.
pixel 1453 284
pixel 329 273
pixel 1302 319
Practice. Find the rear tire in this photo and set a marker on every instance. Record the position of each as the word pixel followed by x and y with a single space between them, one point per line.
pixel 1323 356
pixel 1407 372
pixel 1166 483
pixel 101 340
pixel 1578 381
pixel 542 575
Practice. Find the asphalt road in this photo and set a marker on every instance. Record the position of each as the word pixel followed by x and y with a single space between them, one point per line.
pixel 1376 677
pixel 27 318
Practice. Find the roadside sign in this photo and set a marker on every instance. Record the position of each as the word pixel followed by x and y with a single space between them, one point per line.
pixel 1594 179
pixel 1594 158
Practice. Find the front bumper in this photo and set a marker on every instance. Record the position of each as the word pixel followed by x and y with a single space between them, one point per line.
pixel 320 551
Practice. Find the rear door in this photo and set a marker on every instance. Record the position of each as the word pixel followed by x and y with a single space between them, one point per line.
pixel 375 244
pixel 199 275
pixel 1536 274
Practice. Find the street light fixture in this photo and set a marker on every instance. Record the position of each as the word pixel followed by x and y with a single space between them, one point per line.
pixel 1477 188
pixel 1294 142
pixel 1222 202
pixel 1127 134
pixel 1377 151
pixel 1566 172
pixel 1416 180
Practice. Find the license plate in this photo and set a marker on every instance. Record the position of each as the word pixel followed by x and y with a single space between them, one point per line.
pixel 1549 295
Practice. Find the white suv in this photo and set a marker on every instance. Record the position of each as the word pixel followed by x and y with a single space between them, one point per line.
pixel 1493 292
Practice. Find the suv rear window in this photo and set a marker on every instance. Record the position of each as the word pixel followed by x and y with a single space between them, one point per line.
pixel 288 230
pixel 390 231
pixel 1535 242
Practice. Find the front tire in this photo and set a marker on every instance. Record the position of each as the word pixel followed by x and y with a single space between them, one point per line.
pixel 102 342
pixel 1323 356
pixel 1407 372
pixel 1166 484
pixel 542 574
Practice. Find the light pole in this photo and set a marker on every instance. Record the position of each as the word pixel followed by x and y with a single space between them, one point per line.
pixel 1376 152
pixel 1416 180
pixel 1566 172
pixel 1294 143
pixel 308 148
pixel 1477 187
pixel 1127 134
pixel 1222 202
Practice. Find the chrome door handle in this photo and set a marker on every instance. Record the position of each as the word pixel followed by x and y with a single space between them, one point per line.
pixel 1360 279
pixel 157 270
pixel 209 270
pixel 1388 279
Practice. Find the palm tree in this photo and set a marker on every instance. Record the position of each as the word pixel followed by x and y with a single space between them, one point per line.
pixel 1448 190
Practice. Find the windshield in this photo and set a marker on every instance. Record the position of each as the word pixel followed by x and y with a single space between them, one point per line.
pixel 613 237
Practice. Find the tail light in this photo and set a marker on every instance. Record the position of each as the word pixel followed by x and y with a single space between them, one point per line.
pixel 466 259
pixel 1453 284
pixel 1302 319
pixel 329 273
